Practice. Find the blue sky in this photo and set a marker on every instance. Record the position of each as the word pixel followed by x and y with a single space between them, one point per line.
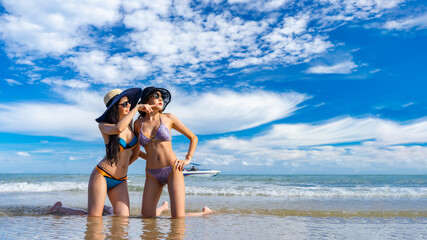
pixel 276 86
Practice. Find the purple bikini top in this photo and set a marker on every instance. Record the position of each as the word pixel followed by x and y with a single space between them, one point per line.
pixel 162 134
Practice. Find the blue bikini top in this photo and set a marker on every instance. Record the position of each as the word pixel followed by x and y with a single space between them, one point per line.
pixel 124 145
pixel 162 134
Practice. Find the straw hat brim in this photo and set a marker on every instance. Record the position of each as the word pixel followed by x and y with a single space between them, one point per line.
pixel 132 93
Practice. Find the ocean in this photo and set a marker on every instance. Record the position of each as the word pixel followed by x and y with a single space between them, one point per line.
pixel 246 207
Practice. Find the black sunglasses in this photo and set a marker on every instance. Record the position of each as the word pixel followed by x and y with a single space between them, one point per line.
pixel 125 104
pixel 157 96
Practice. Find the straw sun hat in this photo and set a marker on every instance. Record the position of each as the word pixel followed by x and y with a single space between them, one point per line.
pixel 113 96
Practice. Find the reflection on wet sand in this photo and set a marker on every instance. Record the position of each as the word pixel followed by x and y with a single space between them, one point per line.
pixel 155 228
pixel 151 228
pixel 116 227
pixel 94 228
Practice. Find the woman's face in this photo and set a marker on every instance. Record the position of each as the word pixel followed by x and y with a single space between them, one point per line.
pixel 124 106
pixel 157 100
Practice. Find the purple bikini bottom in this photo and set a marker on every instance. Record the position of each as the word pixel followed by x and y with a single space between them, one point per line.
pixel 161 174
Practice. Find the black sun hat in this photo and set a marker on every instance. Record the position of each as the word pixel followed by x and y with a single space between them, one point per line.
pixel 166 96
pixel 113 96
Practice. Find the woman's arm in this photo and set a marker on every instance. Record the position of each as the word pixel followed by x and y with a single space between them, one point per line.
pixel 135 154
pixel 180 127
pixel 113 129
pixel 137 127
pixel 143 155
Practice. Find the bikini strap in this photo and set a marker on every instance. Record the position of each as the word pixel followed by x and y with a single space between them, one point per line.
pixel 142 123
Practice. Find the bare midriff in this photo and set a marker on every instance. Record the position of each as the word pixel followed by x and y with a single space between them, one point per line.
pixel 160 154
pixel 121 168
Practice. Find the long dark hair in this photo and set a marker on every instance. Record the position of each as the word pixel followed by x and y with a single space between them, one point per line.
pixel 112 147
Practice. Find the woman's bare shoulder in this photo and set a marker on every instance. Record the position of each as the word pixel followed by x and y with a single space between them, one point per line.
pixel 138 123
pixel 169 115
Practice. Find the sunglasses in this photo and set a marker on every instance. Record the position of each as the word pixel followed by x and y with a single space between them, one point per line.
pixel 157 96
pixel 125 104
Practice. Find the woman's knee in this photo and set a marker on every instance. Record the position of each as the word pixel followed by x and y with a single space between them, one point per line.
pixel 121 212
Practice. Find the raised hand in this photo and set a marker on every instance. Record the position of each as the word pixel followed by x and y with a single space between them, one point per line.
pixel 145 108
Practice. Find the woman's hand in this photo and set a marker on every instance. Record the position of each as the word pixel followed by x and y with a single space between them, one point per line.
pixel 180 164
pixel 145 108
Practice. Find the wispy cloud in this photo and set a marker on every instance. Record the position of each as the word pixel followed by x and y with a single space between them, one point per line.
pixel 227 111
pixel 412 22
pixel 346 130
pixel 367 141
pixel 66 83
pixel 76 120
pixel 346 67
pixel 23 154
pixel 12 82
pixel 408 104
pixel 70 121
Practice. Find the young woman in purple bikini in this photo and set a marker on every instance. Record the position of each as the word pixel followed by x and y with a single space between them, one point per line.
pixel 163 167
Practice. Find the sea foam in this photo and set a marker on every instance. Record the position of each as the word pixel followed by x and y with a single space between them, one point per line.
pixel 313 192
pixel 42 186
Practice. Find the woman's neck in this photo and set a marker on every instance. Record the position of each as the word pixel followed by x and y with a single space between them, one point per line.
pixel 152 116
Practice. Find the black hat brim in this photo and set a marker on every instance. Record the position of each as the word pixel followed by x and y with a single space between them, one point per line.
pixel 132 93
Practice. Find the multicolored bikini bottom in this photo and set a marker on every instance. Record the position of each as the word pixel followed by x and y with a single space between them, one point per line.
pixel 111 181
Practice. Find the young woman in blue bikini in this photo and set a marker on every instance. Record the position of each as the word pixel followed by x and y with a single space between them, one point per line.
pixel 163 167
pixel 122 149
pixel 109 176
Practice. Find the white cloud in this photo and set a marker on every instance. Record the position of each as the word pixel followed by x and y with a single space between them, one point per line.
pixel 213 112
pixel 368 142
pixel 67 83
pixel 197 42
pixel 226 111
pixel 346 67
pixel 23 154
pixel 53 27
pixel 173 41
pixel 70 121
pixel 12 82
pixel 417 22
pixel 408 104
pixel 98 67
pixel 74 120
pixel 346 130
pixel 374 71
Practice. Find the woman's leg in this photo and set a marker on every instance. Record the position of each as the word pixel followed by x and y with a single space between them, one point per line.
pixel 205 211
pixel 59 209
pixel 165 206
pixel 176 187
pixel 119 198
pixel 97 192
pixel 150 198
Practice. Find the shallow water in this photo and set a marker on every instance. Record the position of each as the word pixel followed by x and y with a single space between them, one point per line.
pixel 247 206
pixel 218 226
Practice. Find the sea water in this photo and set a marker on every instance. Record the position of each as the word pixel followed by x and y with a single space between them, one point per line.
pixel 246 206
